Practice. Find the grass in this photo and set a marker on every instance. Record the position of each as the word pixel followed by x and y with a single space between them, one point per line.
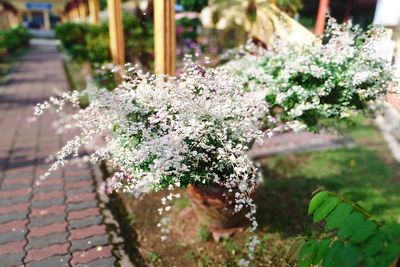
pixel 76 79
pixel 7 62
pixel 367 173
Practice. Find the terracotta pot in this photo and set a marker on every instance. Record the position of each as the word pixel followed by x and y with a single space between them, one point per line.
pixel 214 207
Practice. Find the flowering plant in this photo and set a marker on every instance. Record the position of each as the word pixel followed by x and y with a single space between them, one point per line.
pixel 331 79
pixel 171 132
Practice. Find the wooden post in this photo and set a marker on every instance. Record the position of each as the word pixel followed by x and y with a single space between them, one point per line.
pixel 117 45
pixel 320 22
pixel 46 19
pixel 164 37
pixel 82 10
pixel 94 9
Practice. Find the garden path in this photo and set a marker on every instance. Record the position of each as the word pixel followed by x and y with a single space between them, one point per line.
pixel 54 222
pixel 295 142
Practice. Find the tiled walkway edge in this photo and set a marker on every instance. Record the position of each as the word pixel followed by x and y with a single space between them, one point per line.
pixel 59 221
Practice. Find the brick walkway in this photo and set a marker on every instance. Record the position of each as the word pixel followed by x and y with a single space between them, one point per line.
pixel 56 222
pixel 291 142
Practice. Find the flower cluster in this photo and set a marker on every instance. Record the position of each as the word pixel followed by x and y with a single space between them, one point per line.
pixel 331 79
pixel 165 132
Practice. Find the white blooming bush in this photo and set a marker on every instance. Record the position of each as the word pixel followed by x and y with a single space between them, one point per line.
pixel 333 78
pixel 165 132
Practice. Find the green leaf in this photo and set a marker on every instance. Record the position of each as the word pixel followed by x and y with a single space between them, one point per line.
pixel 306 253
pixel 373 262
pixel 374 245
pixel 317 200
pixel 349 256
pixel 392 252
pixel 364 205
pixel 365 230
pixel 338 215
pixel 331 256
pixel 391 230
pixel 349 224
pixel 325 208
pixel 321 249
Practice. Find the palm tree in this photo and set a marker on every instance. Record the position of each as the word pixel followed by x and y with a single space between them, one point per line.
pixel 262 19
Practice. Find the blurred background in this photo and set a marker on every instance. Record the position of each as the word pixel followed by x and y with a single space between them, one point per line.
pixel 206 27
pixel 70 44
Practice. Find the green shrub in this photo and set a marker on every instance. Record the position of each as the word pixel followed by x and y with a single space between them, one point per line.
pixel 85 42
pixel 13 39
pixel 193 5
pixel 90 43
pixel 188 28
pixel 351 236
pixel 139 41
pixel 97 44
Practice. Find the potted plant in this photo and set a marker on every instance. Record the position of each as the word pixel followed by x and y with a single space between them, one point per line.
pixel 163 133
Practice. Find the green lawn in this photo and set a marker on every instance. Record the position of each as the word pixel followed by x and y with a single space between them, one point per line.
pixel 366 172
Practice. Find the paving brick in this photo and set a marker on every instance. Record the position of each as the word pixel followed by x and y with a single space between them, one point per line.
pixel 49 188
pixel 82 197
pixel 52 210
pixel 13 225
pixel 47 240
pixel 12 259
pixel 14 193
pixel 107 262
pixel 83 213
pixel 4 218
pixel 79 184
pixel 82 257
pixel 90 242
pixel 13 200
pixel 71 179
pixel 47 203
pixel 21 169
pixel 81 172
pixel 46 220
pixel 12 236
pixel 44 253
pixel 48 229
pixel 82 205
pixel 12 247
pixel 20 180
pixel 85 222
pixel 48 181
pixel 87 232
pixel 81 190
pixel 25 185
pixel 48 195
pixel 55 261
pixel 14 208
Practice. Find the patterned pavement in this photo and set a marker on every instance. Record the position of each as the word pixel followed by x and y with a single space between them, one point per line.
pixel 299 142
pixel 56 222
